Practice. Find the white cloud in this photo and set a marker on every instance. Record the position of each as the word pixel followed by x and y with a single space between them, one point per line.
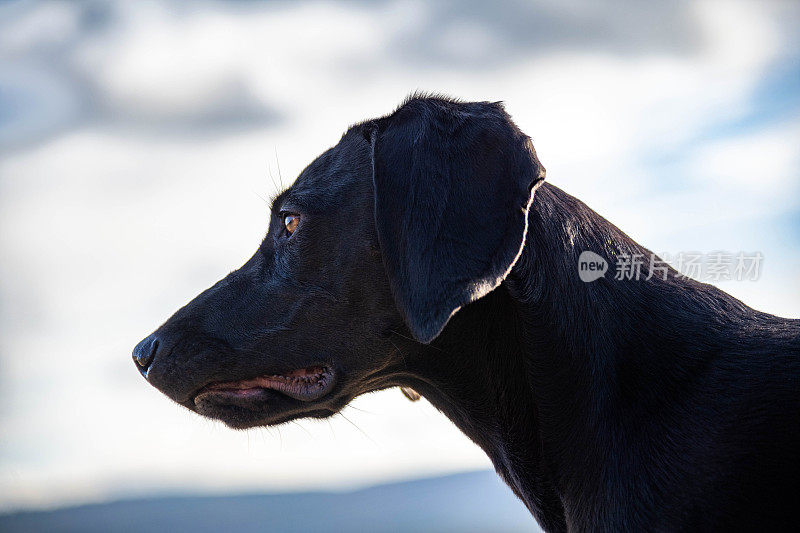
pixel 763 163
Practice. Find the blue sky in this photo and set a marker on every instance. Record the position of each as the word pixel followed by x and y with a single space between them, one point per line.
pixel 131 131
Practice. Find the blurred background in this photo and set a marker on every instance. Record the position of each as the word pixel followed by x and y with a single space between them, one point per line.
pixel 140 142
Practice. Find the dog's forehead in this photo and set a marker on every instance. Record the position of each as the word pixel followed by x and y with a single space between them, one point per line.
pixel 335 175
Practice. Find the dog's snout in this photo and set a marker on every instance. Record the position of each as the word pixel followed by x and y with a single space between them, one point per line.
pixel 145 352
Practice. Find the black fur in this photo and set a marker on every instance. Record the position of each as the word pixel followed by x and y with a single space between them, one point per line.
pixel 420 261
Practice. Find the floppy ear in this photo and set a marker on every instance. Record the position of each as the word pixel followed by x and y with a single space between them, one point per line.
pixel 453 184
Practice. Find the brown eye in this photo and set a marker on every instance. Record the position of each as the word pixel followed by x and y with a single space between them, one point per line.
pixel 290 221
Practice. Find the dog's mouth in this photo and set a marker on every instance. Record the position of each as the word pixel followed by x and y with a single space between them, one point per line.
pixel 267 399
pixel 304 384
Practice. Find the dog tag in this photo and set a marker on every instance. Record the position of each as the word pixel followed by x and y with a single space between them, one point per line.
pixel 410 393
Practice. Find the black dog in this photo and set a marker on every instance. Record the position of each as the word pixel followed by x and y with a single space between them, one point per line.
pixel 412 254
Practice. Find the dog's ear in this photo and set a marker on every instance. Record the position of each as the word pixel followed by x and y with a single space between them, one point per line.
pixel 453 184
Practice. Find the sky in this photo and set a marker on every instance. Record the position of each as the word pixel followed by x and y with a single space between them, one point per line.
pixel 140 143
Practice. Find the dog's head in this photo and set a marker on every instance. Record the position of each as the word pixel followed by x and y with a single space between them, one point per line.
pixel 384 236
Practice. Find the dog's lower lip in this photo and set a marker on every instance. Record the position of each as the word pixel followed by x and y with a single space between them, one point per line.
pixel 304 384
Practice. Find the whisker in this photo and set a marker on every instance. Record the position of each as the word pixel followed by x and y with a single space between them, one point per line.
pixel 298 424
pixel 272 179
pixel 358 428
pixel 399 351
pixel 415 340
pixel 261 197
pixel 277 162
pixel 360 410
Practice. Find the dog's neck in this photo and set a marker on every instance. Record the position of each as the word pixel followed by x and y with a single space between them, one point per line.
pixel 529 371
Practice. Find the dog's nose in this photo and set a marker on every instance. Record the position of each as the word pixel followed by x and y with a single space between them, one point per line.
pixel 145 352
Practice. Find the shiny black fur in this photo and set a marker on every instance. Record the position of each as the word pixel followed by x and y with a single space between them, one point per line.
pixel 420 260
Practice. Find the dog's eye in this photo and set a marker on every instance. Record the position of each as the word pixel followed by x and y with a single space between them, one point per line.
pixel 290 222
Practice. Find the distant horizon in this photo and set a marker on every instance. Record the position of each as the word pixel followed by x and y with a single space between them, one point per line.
pixel 472 501
pixel 192 492
pixel 161 491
